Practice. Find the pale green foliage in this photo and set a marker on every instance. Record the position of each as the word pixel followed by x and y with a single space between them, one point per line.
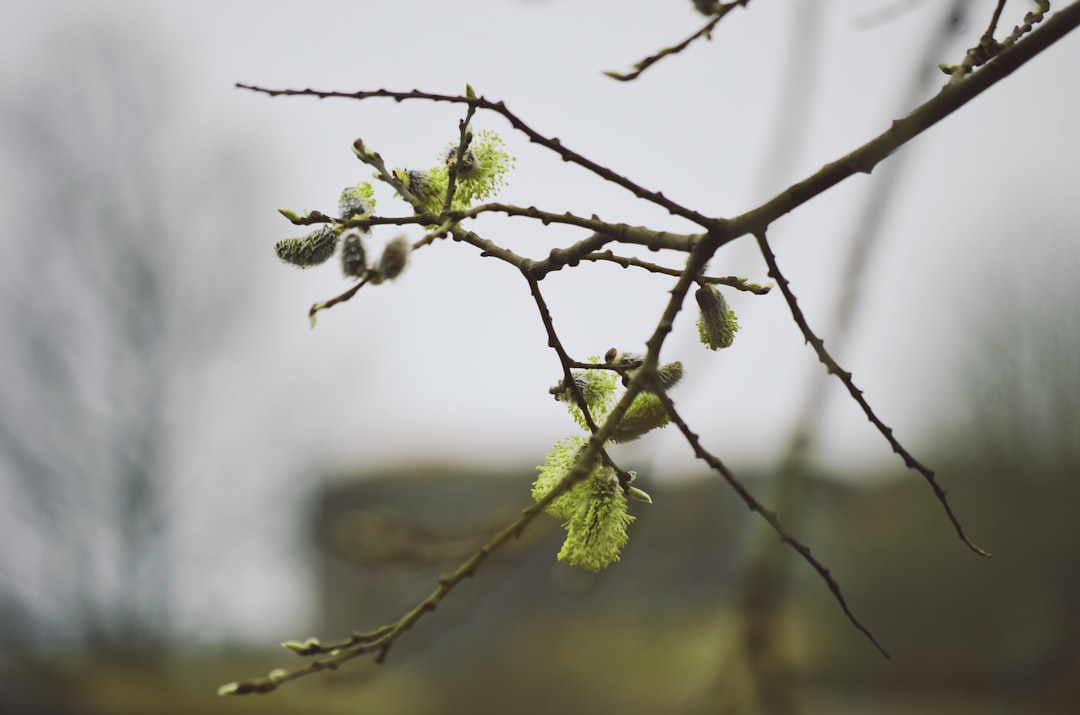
pixel 559 461
pixel 480 175
pixel 596 531
pixel 482 170
pixel 596 386
pixel 594 510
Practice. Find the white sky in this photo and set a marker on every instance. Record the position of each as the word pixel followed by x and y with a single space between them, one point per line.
pixel 450 362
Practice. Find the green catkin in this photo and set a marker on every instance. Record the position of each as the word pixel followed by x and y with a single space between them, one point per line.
pixel 352 204
pixel 667 376
pixel 645 414
pixel 716 323
pixel 310 250
pixel 596 531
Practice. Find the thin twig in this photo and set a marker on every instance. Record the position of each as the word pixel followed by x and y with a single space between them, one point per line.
pixel 646 63
pixel 628 261
pixel 845 377
pixel 769 516
pixel 465 138
pixel 552 143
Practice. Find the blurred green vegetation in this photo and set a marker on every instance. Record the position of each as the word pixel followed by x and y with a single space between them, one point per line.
pixel 655 633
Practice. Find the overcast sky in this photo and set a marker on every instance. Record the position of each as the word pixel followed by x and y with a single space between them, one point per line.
pixel 450 361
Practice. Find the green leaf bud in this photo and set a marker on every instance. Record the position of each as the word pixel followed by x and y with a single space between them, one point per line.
pixel 290 214
pixel 393 260
pixel 277 675
pixel 716 323
pixel 470 93
pixel 310 250
pixel 353 256
pixel 639 494
pixel 645 414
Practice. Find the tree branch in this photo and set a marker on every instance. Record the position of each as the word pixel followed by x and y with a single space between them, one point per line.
pixel 856 394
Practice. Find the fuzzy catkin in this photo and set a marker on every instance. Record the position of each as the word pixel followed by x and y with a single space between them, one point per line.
pixel 310 250
pixel 353 256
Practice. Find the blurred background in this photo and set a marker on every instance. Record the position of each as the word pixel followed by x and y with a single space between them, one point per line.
pixel 189 474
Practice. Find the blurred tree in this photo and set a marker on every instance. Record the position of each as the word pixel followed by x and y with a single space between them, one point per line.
pixel 108 311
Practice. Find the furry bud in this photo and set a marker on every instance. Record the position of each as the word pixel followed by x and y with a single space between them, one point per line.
pixel 393 260
pixel 353 256
pixel 670 374
pixel 717 324
pixel 645 414
pixel 309 250
pixel 420 183
pixel 353 203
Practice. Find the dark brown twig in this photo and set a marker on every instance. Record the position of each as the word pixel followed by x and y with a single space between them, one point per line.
pixel 769 516
pixel 644 64
pixel 856 394
pixel 552 143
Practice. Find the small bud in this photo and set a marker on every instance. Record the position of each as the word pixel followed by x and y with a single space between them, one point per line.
pixel 228 689
pixel 294 646
pixel 610 355
pixel 639 494
pixel 393 260
pixel 353 256
pixel 277 675
pixel 470 93
pixel 289 214
pixel 717 324
pixel 309 250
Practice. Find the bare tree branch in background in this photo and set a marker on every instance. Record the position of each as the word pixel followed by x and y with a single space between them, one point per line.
pixel 106 319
